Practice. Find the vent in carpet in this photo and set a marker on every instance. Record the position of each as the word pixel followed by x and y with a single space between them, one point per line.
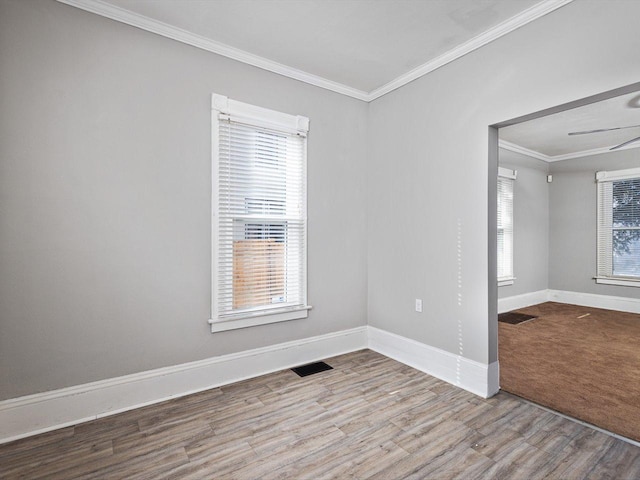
pixel 514 318
pixel 312 368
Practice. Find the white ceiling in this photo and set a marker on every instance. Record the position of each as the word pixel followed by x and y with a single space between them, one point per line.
pixel 548 136
pixel 362 44
pixel 366 48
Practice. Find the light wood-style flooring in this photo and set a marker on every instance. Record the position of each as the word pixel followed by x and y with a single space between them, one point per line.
pixel 370 417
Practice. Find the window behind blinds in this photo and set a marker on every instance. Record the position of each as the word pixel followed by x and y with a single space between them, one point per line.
pixel 259 234
pixel 261 223
pixel 605 237
pixel 618 224
pixel 505 227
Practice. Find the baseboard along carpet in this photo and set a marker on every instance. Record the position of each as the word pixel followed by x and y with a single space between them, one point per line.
pixel 580 361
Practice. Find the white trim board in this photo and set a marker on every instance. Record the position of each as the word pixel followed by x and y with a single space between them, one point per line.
pixel 593 300
pixel 533 13
pixel 133 19
pixel 38 413
pixel 621 304
pixel 520 301
pixel 128 17
pixel 475 377
pixel 513 147
pixel 32 414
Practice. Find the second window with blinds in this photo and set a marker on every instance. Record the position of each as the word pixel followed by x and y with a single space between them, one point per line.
pixel 506 179
pixel 618 261
pixel 259 215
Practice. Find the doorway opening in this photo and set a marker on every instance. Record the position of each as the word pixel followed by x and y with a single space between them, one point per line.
pixel 564 251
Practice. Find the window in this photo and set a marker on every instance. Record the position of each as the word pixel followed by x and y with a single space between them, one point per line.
pixel 259 215
pixel 506 180
pixel 618 260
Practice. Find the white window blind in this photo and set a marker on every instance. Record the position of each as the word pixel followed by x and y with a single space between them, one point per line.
pixel 506 179
pixel 618 231
pixel 259 216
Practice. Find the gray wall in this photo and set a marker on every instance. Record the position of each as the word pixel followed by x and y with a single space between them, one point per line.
pixel 105 199
pixel 428 177
pixel 105 188
pixel 572 238
pixel 531 224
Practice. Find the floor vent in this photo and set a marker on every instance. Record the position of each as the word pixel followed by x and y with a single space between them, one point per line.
pixel 312 368
pixel 515 318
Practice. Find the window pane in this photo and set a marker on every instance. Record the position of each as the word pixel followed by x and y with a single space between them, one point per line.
pixel 258 264
pixel 626 203
pixel 501 263
pixel 626 253
pixel 505 228
pixel 626 220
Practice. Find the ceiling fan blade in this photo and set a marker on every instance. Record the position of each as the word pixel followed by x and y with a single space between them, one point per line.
pixel 602 130
pixel 625 143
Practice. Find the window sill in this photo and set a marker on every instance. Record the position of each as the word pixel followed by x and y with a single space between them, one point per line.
pixel 260 319
pixel 506 281
pixel 617 281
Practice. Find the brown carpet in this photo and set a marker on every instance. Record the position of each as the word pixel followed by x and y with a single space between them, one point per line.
pixel 588 368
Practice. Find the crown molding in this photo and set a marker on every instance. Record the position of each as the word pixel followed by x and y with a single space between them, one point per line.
pixel 133 19
pixel 524 17
pixel 588 153
pixel 160 28
pixel 557 158
pixel 512 147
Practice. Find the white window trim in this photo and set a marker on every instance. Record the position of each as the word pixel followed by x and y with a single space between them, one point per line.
pixel 611 176
pixel 262 117
pixel 511 174
pixel 507 173
pixel 617 175
pixel 617 281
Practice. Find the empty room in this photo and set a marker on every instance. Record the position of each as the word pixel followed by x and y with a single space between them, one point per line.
pixel 265 239
pixel 568 322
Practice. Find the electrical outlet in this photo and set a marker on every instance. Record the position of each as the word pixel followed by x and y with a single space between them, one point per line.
pixel 418 305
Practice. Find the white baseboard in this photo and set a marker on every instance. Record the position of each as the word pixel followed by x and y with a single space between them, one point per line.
pixel 621 304
pixel 520 301
pixel 32 414
pixel 475 377
pixel 609 302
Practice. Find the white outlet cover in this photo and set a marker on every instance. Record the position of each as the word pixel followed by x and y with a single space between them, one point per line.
pixel 418 305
